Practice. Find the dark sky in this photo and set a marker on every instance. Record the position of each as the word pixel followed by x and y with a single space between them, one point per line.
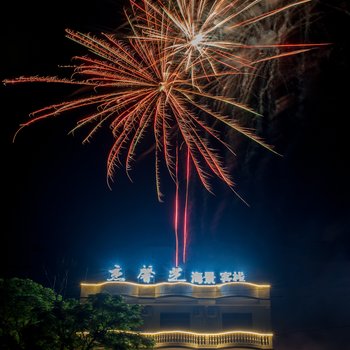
pixel 61 219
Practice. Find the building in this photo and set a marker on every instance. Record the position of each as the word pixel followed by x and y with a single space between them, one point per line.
pixel 233 315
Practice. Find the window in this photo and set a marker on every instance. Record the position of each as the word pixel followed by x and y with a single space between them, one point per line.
pixel 147 311
pixel 236 320
pixel 175 321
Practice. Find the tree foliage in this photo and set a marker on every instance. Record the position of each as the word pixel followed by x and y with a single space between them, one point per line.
pixel 34 317
pixel 24 305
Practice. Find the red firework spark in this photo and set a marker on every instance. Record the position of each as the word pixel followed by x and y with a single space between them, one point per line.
pixel 176 214
pixel 186 214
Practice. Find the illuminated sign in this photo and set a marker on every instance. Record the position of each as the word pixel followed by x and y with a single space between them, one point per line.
pixel 232 277
pixel 116 274
pixel 175 274
pixel 200 277
pixel 238 277
pixel 197 277
pixel 147 275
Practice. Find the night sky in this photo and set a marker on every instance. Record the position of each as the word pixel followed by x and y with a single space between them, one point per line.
pixel 61 224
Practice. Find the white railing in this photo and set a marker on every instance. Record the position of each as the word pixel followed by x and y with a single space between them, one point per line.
pixel 220 340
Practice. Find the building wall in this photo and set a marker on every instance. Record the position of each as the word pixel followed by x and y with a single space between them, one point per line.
pixel 185 306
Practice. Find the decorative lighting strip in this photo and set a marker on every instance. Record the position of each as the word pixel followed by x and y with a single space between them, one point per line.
pixel 174 284
pixel 208 334
pixel 211 340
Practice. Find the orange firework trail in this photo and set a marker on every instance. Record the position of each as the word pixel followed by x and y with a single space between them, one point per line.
pixel 160 81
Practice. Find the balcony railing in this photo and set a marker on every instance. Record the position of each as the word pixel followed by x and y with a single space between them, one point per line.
pixel 203 340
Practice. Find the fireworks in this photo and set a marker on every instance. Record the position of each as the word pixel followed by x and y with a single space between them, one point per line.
pixel 164 80
pixel 210 37
pixel 135 88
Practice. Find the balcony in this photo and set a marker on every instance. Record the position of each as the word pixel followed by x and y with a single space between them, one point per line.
pixel 193 340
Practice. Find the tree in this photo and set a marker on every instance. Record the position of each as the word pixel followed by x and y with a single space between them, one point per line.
pixel 23 306
pixel 106 320
pixel 34 317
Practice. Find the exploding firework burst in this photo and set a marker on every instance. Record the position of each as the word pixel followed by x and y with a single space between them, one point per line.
pixel 209 37
pixel 166 80
pixel 136 88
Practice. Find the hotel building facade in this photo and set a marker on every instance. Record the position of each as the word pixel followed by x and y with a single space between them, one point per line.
pixel 233 315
